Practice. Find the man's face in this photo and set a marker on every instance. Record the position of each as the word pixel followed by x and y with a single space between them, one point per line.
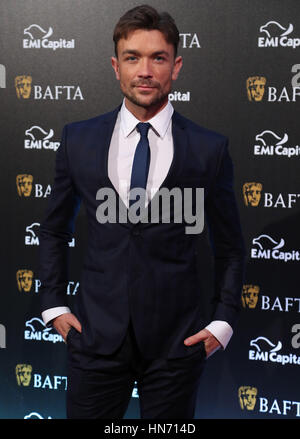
pixel 146 68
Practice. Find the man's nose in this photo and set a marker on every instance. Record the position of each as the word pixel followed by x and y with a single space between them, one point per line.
pixel 145 69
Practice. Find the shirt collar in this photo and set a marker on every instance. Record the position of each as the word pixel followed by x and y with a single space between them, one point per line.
pixel 159 122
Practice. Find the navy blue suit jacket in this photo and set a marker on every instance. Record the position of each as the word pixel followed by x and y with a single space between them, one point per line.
pixel 146 271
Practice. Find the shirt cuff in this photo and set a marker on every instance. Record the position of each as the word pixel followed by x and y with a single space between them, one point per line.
pixel 221 330
pixel 51 313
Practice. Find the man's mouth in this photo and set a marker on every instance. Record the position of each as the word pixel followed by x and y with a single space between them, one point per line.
pixel 144 86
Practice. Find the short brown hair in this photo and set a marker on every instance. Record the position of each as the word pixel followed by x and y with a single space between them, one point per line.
pixel 146 17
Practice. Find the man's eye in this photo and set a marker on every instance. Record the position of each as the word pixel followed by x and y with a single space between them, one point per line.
pixel 131 58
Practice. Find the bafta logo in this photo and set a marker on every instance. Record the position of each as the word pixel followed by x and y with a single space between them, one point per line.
pixel 256 88
pixel 252 193
pixel 247 397
pixel 24 184
pixel 23 374
pixel 23 86
pixel 250 296
pixel 24 280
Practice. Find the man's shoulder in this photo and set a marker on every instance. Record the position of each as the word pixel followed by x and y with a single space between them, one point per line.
pixel 199 130
pixel 96 121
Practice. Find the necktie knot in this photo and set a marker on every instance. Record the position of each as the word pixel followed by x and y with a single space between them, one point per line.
pixel 143 128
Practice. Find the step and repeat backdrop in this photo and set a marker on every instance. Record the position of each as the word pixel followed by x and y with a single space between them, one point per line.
pixel 241 77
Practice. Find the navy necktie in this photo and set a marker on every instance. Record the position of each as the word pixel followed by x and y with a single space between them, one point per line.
pixel 141 161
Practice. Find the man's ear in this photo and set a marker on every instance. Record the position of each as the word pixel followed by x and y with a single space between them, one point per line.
pixel 177 67
pixel 115 66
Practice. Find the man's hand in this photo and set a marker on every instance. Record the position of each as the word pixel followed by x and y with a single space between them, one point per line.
pixel 211 344
pixel 64 322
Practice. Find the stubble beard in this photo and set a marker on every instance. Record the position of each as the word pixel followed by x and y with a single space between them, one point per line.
pixel 154 102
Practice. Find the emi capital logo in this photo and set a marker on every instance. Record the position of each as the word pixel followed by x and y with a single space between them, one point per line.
pixel 251 401
pixel 26 90
pixel 265 247
pixel 31 236
pixel 38 38
pixel 38 138
pixel 263 349
pixel 269 143
pixel 273 34
pixel 36 330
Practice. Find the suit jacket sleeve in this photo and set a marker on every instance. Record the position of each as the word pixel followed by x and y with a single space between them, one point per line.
pixel 227 242
pixel 56 231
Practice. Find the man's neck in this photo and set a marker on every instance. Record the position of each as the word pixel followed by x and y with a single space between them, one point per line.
pixel 144 114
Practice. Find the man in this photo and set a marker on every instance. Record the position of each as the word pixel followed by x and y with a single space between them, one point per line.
pixel 138 315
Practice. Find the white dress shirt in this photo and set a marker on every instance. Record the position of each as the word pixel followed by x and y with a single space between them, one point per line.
pixel 121 153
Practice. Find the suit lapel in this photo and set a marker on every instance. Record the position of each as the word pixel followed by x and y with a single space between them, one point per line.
pixel 105 134
pixel 180 142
